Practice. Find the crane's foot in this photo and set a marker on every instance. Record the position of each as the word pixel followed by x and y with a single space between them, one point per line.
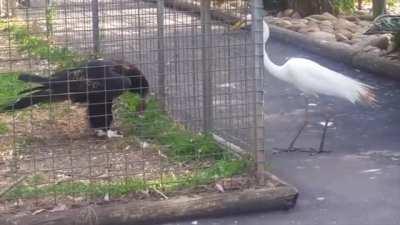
pixel 312 151
pixel 291 149
pixel 108 133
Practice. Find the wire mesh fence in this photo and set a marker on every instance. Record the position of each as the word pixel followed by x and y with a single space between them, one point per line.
pixel 81 69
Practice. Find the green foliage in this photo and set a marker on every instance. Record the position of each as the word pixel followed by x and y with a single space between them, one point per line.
pixel 346 6
pixel 50 16
pixel 38 46
pixel 154 125
pixel 3 128
pixel 34 187
pixel 10 86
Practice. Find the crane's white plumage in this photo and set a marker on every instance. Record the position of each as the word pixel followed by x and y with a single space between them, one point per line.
pixel 313 79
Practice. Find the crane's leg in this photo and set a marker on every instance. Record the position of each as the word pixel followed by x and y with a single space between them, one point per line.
pixel 291 147
pixel 322 143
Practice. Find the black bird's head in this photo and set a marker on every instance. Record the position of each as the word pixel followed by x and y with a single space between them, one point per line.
pixel 139 83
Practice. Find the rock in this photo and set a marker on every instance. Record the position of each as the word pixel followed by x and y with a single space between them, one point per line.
pixel 321 35
pixel 288 12
pixel 286 18
pixel 382 43
pixel 324 16
pixel 370 48
pixel 309 29
pixel 327 29
pixel 327 23
pixel 349 42
pixel 280 14
pixel 364 23
pixel 326 26
pixel 296 15
pixel 297 26
pixel 341 37
pixel 305 21
pixel 312 20
pixel 348 34
pixel 354 19
pixel 330 16
pixel 283 23
pixel 343 24
pixel 354 41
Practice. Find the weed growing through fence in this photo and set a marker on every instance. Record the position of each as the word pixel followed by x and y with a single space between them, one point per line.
pixel 38 47
pixel 33 189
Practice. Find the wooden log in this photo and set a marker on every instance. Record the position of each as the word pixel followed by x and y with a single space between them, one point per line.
pixel 377 64
pixel 151 212
pixel 193 8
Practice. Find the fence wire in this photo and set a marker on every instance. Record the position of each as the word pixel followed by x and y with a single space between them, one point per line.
pixel 205 84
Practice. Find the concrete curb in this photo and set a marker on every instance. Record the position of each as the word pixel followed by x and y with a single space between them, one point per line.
pixel 281 197
pixel 339 52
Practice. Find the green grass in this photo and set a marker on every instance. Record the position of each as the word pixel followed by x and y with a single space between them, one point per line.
pixel 3 128
pixel 10 86
pixel 156 126
pixel 33 188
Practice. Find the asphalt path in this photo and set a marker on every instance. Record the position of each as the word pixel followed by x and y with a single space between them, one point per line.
pixel 358 183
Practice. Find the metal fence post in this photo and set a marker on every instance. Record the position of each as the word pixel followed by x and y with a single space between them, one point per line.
pixel 257 33
pixel 95 27
pixel 206 64
pixel 161 62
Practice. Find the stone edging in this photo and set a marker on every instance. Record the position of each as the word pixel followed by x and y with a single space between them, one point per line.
pixel 339 52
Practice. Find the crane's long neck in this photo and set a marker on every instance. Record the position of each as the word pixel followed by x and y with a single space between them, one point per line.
pixel 272 68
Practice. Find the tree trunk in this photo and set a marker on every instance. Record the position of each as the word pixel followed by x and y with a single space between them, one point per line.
pixel 379 7
pixel 359 6
pixel 308 7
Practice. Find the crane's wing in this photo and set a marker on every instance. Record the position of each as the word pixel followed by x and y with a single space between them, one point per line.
pixel 312 78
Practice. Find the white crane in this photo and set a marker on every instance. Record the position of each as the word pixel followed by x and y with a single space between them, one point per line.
pixel 314 79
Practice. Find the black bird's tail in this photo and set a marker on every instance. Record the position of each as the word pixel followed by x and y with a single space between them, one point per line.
pixel 30 90
pixel 41 96
pixel 32 78
pixel 25 77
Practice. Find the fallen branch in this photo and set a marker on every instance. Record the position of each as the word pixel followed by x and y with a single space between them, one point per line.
pixel 154 212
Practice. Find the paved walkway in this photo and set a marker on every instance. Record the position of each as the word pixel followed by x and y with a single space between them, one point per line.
pixel 357 184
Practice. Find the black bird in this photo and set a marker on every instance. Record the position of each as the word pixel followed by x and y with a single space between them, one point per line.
pixel 97 82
